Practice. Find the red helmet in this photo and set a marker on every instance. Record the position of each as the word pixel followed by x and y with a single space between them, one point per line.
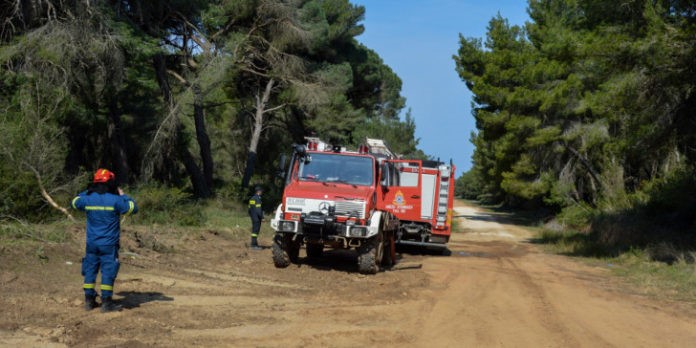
pixel 103 175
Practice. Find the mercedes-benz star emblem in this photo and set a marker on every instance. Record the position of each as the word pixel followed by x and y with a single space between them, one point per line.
pixel 324 206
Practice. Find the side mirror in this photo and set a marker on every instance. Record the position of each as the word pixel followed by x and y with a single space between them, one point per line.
pixel 385 176
pixel 300 149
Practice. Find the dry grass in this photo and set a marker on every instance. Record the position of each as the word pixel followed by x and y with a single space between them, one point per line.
pixel 659 270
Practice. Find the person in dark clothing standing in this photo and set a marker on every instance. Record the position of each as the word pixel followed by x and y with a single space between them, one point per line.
pixel 256 215
pixel 104 203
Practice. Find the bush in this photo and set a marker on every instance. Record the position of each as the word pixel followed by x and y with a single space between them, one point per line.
pixel 20 197
pixel 577 216
pixel 675 196
pixel 469 185
pixel 53 233
pixel 167 206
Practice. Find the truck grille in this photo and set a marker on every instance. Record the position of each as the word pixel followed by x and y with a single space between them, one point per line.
pixel 345 208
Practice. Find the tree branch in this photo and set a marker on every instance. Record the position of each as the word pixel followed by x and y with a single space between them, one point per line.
pixel 178 77
pixel 593 174
pixel 274 108
pixel 45 194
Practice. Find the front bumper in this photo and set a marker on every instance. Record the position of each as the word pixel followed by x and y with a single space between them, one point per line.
pixel 320 225
pixel 326 228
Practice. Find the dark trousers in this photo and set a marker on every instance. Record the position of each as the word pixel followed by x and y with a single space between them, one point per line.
pixel 104 257
pixel 255 228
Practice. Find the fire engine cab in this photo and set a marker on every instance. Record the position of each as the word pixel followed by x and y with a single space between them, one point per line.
pixel 367 199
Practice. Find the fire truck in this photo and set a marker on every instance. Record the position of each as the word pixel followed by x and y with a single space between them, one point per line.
pixel 369 200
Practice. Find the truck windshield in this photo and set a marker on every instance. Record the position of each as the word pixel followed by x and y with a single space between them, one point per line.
pixel 326 167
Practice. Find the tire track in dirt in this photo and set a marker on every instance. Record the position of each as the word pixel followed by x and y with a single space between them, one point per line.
pixel 547 314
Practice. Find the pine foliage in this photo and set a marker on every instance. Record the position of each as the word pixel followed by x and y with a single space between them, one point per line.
pixel 589 104
pixel 164 92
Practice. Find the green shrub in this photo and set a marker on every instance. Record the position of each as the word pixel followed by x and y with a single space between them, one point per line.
pixel 52 233
pixel 576 216
pixel 469 185
pixel 166 206
pixel 20 197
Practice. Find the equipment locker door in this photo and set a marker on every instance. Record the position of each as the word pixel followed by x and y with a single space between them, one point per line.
pixel 403 197
pixel 428 183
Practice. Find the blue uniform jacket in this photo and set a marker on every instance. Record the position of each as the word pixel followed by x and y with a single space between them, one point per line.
pixel 255 210
pixel 103 215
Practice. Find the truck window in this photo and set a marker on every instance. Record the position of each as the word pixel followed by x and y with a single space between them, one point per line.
pixel 408 179
pixel 328 167
pixel 408 174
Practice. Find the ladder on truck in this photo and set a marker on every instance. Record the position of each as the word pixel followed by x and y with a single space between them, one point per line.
pixel 379 147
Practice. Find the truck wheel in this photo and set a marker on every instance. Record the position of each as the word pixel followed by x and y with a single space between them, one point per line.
pixel 370 255
pixel 315 250
pixel 285 250
pixel 389 258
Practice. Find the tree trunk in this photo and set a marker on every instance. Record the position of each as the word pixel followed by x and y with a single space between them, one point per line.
pixel 160 65
pixel 119 157
pixel 202 136
pixel 260 110
pixel 27 12
pixel 594 176
pixel 200 187
pixel 77 142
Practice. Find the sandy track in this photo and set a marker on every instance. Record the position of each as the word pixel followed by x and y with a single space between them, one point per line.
pixel 495 290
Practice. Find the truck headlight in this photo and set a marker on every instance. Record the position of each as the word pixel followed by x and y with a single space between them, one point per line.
pixel 287 226
pixel 358 231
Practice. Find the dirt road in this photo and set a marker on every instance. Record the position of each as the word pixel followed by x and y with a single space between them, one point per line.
pixel 495 290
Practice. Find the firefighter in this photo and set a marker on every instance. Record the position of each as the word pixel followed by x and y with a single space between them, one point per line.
pixel 256 215
pixel 104 203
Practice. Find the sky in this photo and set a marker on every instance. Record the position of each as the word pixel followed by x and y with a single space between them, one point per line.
pixel 417 39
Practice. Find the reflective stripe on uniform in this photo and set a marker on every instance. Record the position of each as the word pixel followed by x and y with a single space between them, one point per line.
pixel 97 207
pixel 254 235
pixel 258 205
pixel 88 286
pixel 75 201
pixel 107 287
pixel 131 207
pixel 251 201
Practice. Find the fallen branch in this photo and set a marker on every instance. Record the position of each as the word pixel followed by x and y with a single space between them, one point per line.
pixel 48 197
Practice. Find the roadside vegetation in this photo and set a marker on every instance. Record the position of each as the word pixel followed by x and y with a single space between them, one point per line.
pixel 586 114
pixel 168 218
pixel 190 103
pixel 659 270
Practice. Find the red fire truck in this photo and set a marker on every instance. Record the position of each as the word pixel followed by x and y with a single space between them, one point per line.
pixel 367 199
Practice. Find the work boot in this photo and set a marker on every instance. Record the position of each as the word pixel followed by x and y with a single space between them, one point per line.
pixel 255 244
pixel 90 302
pixel 108 305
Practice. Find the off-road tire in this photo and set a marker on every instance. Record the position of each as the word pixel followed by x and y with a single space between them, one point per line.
pixel 285 250
pixel 389 258
pixel 370 255
pixel 315 250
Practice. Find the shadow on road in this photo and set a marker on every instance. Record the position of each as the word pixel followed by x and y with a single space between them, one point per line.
pixel 347 260
pixel 332 260
pixel 133 299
